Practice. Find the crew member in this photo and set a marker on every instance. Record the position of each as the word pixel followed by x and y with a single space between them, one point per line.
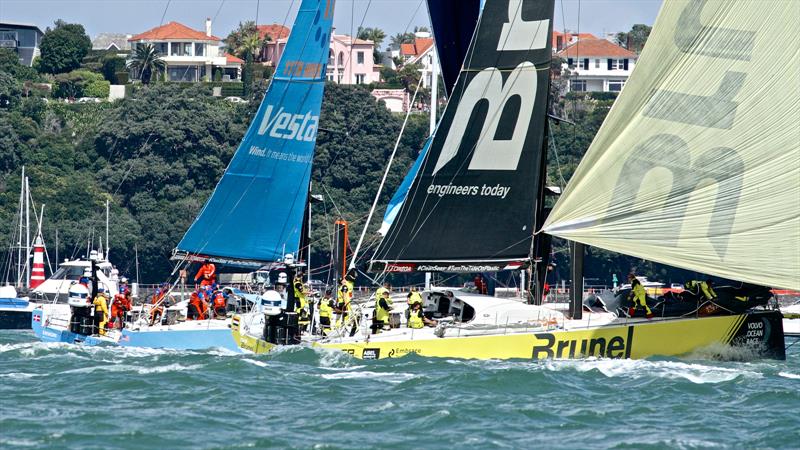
pixel 300 301
pixel 480 285
pixel 413 297
pixel 158 300
pixel 196 310
pixel 702 288
pixel 326 312
pixel 220 305
pixel 383 305
pixel 638 296
pixel 121 305
pixel 342 306
pixel 385 288
pixel 101 312
pixel 123 286
pixel 207 274
pixel 416 319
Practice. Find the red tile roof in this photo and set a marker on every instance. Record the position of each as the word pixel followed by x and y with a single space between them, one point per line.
pixel 274 31
pixel 590 48
pixel 173 31
pixel 230 59
pixel 417 47
pixel 566 38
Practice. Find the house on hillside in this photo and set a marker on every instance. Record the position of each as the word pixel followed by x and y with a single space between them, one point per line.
pixel 563 39
pixel 190 55
pixel 112 41
pixel 422 51
pixel 272 50
pixel 350 61
pixel 23 38
pixel 597 65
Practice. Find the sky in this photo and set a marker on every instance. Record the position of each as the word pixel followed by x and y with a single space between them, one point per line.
pixel 392 16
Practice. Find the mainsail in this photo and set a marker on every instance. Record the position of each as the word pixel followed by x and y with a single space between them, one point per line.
pixel 473 204
pixel 698 162
pixel 453 23
pixel 256 211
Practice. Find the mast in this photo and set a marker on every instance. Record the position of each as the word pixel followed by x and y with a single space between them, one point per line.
pixel 434 106
pixel 27 233
pixel 20 267
pixel 108 243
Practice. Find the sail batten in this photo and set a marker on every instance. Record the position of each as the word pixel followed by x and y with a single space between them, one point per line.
pixel 473 204
pixel 698 162
pixel 256 210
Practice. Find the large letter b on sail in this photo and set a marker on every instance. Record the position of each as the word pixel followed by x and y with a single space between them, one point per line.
pixel 505 126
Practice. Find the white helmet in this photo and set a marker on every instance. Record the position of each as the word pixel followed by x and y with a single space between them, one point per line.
pixel 288 259
pixel 123 280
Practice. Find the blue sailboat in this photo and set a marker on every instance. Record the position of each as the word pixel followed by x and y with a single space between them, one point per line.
pixel 255 214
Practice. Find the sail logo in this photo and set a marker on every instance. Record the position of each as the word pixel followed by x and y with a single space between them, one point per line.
pixel 285 125
pixel 508 101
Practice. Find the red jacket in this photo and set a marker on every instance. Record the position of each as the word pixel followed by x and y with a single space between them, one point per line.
pixel 207 274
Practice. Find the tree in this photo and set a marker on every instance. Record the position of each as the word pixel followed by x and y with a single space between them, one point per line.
pixel 634 39
pixel 9 63
pixel 399 39
pixel 63 48
pixel 80 83
pixel 147 62
pixel 10 91
pixel 376 35
pixel 246 42
pixel 409 76
pixel 112 66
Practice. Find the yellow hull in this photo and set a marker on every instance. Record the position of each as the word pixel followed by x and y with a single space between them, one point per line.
pixel 640 340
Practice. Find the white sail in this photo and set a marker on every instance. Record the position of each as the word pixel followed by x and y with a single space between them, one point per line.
pixel 698 162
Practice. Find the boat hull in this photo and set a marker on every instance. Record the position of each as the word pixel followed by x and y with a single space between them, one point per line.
pixel 761 331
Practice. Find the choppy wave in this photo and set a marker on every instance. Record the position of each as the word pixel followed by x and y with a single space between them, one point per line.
pixel 65 396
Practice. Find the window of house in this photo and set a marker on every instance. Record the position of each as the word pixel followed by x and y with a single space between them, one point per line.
pixel 7 35
pixel 175 49
pixel 160 47
pixel 341 59
pixel 612 64
pixel 615 85
pixel 199 49
pixel 360 57
pixel 359 78
pixel 187 49
pixel 597 63
pixel 577 85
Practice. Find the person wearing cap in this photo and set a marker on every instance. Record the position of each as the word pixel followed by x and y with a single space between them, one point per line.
pixel 207 274
pixel 413 296
pixel 158 300
pixel 119 307
pixel 701 288
pixel 326 308
pixel 100 304
pixel 638 296
pixel 300 301
pixel 220 305
pixel 342 307
pixel 123 286
pixel 383 306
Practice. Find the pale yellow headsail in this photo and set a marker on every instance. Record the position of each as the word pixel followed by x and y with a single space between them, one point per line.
pixel 698 162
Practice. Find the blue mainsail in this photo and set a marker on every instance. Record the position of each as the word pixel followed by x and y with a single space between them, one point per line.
pixel 256 211
pixel 402 191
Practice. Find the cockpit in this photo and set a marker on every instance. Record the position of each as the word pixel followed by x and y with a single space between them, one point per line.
pixel 440 304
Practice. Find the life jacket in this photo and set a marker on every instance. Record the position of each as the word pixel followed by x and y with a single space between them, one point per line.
pixel 219 301
pixel 325 309
pixel 199 306
pixel 118 306
pixel 101 313
pixel 415 319
pixel 382 314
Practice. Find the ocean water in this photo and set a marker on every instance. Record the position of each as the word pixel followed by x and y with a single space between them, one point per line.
pixel 75 397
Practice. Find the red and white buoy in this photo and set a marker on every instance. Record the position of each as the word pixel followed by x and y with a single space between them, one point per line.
pixel 37 274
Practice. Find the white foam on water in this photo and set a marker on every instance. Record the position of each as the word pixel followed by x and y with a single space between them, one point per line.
pixel 389 377
pixel 792 376
pixel 18 375
pixel 383 407
pixel 140 370
pixel 255 363
pixel 631 368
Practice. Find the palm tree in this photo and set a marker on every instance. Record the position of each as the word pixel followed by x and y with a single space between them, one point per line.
pixel 147 61
pixel 249 47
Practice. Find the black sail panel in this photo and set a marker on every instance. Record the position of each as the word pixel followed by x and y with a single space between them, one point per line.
pixel 472 206
pixel 453 23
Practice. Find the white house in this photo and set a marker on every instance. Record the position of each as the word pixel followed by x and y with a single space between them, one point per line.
pixel 422 52
pixel 597 65
pixel 190 55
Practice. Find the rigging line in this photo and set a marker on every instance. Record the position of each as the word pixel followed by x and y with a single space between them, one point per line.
pixel 221 4
pixel 558 162
pixel 386 172
pixel 165 12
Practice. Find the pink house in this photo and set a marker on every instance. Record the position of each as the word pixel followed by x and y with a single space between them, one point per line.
pixel 351 61
pixel 273 49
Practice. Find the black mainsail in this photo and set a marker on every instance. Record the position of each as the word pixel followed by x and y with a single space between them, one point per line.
pixel 473 205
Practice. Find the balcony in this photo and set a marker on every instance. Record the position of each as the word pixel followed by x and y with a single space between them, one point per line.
pixel 8 43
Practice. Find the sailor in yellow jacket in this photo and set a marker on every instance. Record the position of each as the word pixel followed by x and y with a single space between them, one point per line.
pixel 702 288
pixel 101 312
pixel 383 305
pixel 638 296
